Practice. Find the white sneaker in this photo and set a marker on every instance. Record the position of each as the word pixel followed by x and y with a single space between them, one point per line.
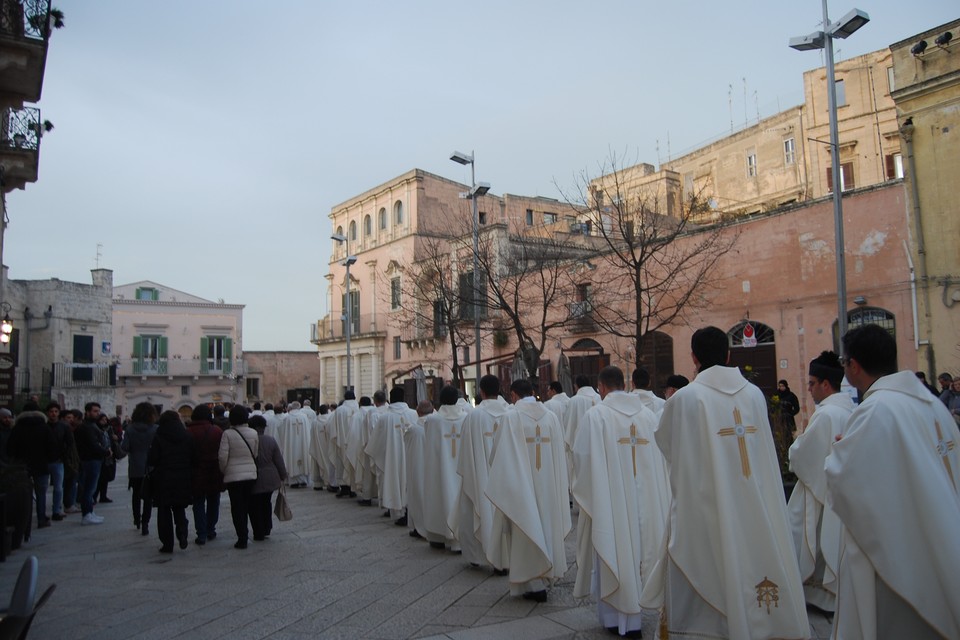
pixel 72 509
pixel 91 518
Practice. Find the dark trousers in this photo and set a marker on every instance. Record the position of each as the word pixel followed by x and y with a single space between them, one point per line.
pixel 206 515
pixel 167 517
pixel 141 503
pixel 240 495
pixel 261 514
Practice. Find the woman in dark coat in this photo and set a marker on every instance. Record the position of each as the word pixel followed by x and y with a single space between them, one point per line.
pixel 137 438
pixel 271 473
pixel 171 458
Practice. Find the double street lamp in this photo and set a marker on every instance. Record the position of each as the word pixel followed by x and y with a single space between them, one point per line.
pixel 842 28
pixel 476 190
pixel 348 303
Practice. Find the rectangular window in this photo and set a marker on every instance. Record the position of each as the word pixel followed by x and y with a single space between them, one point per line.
pixel 185 389
pixel 216 354
pixel 470 299
pixel 894 166
pixel 150 355
pixel 841 91
pixel 891 85
pixel 846 177
pixel 147 293
pixel 354 313
pixel 549 218
pixel 482 217
pixel 397 347
pixel 439 320
pixel 751 163
pixel 789 151
pixel 395 293
pixel 529 217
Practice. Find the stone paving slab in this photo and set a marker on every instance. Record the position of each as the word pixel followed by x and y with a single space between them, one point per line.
pixel 337 570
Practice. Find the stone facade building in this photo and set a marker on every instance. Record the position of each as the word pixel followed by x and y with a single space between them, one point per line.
pixel 273 376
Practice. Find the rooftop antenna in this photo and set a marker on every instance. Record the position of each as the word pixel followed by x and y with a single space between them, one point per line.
pixel 730 104
pixel 99 254
pixel 744 103
pixel 659 159
pixel 756 103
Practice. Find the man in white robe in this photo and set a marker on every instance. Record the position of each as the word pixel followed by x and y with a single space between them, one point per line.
pixel 319 469
pixel 641 389
pixel 353 461
pixel 386 450
pixel 441 484
pixel 295 445
pixel 728 569
pixel 816 528
pixel 584 399
pixel 366 480
pixel 557 402
pixel 893 480
pixel 623 489
pixel 528 488
pixel 413 438
pixel 273 422
pixel 339 436
pixel 476 512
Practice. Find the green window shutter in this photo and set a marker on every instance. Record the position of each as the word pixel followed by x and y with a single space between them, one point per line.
pixel 137 355
pixel 154 294
pixel 162 354
pixel 136 296
pixel 227 355
pixel 204 346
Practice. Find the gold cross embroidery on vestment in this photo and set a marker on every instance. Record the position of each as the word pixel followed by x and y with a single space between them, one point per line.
pixel 944 447
pixel 768 592
pixel 537 439
pixel 738 429
pixel 453 436
pixel 633 441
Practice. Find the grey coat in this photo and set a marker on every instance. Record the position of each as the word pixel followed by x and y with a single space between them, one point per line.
pixel 137 438
pixel 270 466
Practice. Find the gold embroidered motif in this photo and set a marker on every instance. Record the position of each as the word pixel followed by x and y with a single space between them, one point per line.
pixel 537 439
pixel 944 447
pixel 738 429
pixel 453 436
pixel 633 441
pixel 768 592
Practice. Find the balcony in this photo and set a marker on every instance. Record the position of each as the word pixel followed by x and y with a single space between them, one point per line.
pixel 20 132
pixel 69 375
pixel 420 333
pixel 330 330
pixel 24 31
pixel 581 318
pixel 180 368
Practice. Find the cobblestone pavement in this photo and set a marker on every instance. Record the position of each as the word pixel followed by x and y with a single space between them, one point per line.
pixel 337 570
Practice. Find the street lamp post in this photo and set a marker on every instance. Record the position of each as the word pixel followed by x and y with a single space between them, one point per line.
pixel 476 190
pixel 842 28
pixel 349 260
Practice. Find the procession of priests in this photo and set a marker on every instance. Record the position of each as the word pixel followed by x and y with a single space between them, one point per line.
pixel 682 526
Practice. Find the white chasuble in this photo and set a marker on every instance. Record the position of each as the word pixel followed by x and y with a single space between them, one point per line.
pixel 729 569
pixel 387 450
pixel 528 488
pixel 441 484
pixel 584 399
pixel 893 481
pixel 339 436
pixel 413 441
pixel 295 445
pixel 816 529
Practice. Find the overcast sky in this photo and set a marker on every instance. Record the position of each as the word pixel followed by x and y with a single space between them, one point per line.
pixel 203 143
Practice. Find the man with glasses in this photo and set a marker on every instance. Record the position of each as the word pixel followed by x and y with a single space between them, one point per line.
pixel 893 480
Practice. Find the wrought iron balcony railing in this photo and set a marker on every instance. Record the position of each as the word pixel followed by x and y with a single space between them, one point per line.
pixel 21 128
pixel 25 19
pixel 76 374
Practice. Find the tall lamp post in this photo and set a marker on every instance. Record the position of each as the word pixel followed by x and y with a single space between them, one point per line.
pixel 842 28
pixel 349 260
pixel 476 190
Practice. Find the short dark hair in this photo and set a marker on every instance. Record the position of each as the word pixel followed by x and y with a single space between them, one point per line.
pixel 170 418
pixel 379 396
pixel 945 376
pixel 677 381
pixel 144 413
pixel 238 415
pixel 90 405
pixel 612 378
pixel 365 401
pixel 449 395
pixel 396 395
pixel 710 347
pixel 556 386
pixel 256 406
pixel 268 406
pixel 349 394
pixel 873 348
pixel 641 378
pixel 581 381
pixel 53 404
pixel 827 366
pixel 490 385
pixel 258 423
pixel 220 410
pixel 522 387
pixel 201 413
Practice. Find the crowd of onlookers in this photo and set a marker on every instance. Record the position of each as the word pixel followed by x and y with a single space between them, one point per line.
pixel 172 465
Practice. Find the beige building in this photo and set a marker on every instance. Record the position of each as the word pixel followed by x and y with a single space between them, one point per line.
pixel 926 90
pixel 174 349
pixel 273 375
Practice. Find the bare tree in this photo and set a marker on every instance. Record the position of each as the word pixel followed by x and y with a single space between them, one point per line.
pixel 660 262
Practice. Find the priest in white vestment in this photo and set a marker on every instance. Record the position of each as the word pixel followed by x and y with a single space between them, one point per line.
pixel 366 481
pixel 557 402
pixel 729 569
pixel 623 489
pixel 273 422
pixel 641 389
pixel 295 444
pixel 339 436
pixel 528 489
pixel 816 528
pixel 584 399
pixel 319 467
pixel 413 438
pixel 353 463
pixel 387 451
pixel 476 512
pixel 441 484
pixel 893 480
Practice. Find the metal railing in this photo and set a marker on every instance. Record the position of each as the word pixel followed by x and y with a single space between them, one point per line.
pixel 423 331
pixel 331 328
pixel 20 128
pixel 76 374
pixel 148 367
pixel 25 19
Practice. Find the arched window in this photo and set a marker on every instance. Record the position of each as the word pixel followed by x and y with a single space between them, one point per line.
pixel 397 213
pixel 353 230
pixel 758 333
pixel 383 218
pixel 866 315
pixel 753 349
pixel 367 226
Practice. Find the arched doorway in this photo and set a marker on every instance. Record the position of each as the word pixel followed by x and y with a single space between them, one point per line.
pixel 753 350
pixel 586 363
pixel 656 356
pixel 866 315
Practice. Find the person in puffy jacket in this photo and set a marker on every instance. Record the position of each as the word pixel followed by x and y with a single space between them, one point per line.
pixel 238 463
pixel 272 473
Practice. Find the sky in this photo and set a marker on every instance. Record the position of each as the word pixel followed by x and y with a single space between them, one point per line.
pixel 202 145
